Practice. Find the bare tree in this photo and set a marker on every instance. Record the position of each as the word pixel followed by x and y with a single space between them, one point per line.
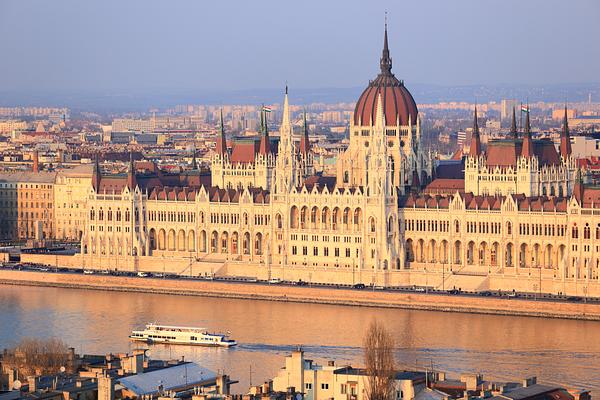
pixel 37 356
pixel 379 362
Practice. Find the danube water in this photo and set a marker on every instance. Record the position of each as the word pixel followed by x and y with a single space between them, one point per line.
pixel 500 347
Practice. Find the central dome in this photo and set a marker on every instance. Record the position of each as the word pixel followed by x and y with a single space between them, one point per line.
pixel 398 103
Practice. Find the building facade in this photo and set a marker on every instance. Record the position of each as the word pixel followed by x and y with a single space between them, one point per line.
pixel 519 217
pixel 70 198
pixel 27 202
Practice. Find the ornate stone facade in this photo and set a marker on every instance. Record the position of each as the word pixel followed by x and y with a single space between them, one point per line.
pixel 520 217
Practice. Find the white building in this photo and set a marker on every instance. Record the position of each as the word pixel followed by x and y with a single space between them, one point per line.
pixel 326 382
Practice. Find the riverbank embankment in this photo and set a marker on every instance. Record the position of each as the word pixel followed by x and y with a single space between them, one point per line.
pixel 303 294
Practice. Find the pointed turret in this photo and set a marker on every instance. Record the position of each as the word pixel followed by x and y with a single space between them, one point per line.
pixel 386 62
pixel 194 161
pixel 513 125
pixel 527 141
pixel 416 182
pixel 565 139
pixel 578 189
pixel 286 121
pixel 265 144
pixel 96 174
pixel 304 140
pixel 475 139
pixel 131 181
pixel 221 140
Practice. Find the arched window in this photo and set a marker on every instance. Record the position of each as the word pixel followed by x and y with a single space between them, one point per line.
pixel 586 231
pixel 509 228
pixel 574 232
pixel 372 224
pixel 456 226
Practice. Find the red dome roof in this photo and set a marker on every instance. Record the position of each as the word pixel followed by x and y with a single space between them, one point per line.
pixel 398 103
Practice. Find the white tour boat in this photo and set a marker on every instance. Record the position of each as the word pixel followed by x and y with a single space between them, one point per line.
pixel 154 333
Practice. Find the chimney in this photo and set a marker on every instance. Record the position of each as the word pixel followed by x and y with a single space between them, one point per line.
pixel 529 381
pixel 106 388
pixel 33 382
pixel 36 162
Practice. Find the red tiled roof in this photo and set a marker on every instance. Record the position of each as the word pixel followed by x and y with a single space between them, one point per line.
pixel 244 151
pixel 398 104
pixel 504 153
pixel 445 186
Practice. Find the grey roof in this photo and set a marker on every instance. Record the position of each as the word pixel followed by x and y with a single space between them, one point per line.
pixel 430 394
pixel 520 393
pixel 171 378
pixel 28 177
pixel 400 375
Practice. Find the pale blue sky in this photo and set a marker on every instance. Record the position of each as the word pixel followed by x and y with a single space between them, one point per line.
pixel 174 44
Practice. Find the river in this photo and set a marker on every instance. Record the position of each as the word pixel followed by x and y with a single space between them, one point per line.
pixel 500 347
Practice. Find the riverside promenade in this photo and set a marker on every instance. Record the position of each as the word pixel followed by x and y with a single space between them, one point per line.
pixel 303 294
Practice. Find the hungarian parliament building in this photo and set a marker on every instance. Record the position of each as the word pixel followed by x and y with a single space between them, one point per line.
pixel 517 217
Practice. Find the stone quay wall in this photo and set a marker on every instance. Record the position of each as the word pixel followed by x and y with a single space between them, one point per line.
pixel 524 280
pixel 306 294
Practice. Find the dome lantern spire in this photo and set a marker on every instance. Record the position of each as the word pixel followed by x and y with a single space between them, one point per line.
pixel 386 61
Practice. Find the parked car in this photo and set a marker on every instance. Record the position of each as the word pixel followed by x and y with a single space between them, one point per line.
pixel 485 293
pixel 359 286
pixel 274 281
pixel 301 283
pixel 143 274
pixel 88 272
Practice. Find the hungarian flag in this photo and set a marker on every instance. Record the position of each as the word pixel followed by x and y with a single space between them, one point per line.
pixel 524 108
pixel 266 109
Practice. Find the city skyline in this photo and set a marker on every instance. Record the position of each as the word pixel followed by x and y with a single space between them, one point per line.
pixel 101 47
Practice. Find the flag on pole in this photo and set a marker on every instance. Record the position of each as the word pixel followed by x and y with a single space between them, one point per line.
pixel 266 109
pixel 524 108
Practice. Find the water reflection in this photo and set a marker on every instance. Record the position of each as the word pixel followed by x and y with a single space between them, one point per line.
pixel 498 346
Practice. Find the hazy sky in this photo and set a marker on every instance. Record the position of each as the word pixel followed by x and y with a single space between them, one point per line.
pixel 182 44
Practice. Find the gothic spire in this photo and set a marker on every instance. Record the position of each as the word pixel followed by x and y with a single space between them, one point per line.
pixel 565 140
pixel 265 144
pixel 513 125
pixel 285 122
pixel 131 181
pixel 527 141
pixel 304 140
pixel 386 61
pixel 96 174
pixel 475 139
pixel 194 161
pixel 527 123
pixel 221 140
